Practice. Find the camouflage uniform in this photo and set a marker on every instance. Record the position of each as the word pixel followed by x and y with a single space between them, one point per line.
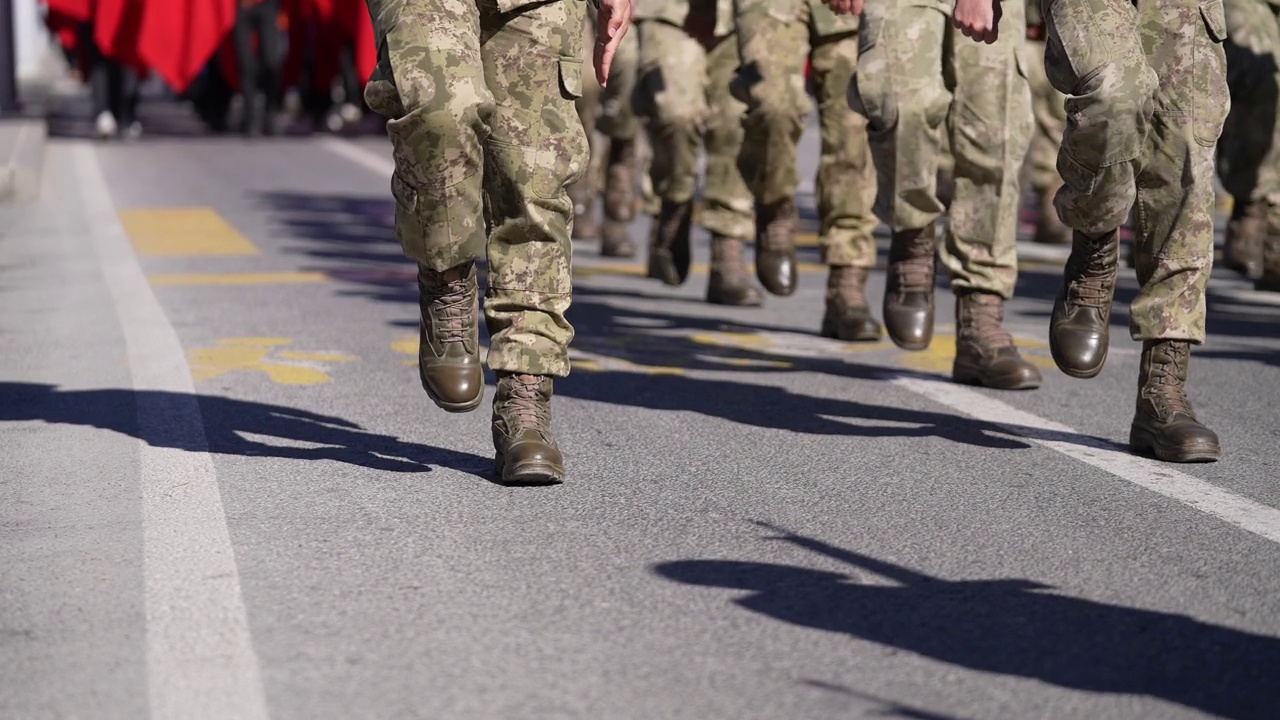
pixel 479 96
pixel 775 37
pixel 1249 154
pixel 1148 99
pixel 1049 109
pixel 485 139
pixel 921 78
pixel 687 58
pixel 607 115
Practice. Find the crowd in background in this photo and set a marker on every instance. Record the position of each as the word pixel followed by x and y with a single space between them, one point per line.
pixel 212 52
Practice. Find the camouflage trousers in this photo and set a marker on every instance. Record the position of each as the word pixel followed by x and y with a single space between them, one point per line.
pixel 775 38
pixel 485 138
pixel 683 94
pixel 1249 153
pixel 1148 89
pixel 920 79
pixel 1048 107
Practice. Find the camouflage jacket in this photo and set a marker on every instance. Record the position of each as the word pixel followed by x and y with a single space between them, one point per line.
pixel 675 12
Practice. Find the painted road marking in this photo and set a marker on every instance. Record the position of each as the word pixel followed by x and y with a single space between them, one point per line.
pixel 200 657
pixel 262 355
pixel 1158 477
pixel 280 278
pixel 174 232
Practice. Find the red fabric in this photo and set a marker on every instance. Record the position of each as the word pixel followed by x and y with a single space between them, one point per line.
pixel 64 18
pixel 318 31
pixel 353 19
pixel 177 37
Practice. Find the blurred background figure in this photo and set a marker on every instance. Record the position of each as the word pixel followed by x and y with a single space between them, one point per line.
pixel 258 59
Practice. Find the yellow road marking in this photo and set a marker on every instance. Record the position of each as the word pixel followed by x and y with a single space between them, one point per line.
pixel 183 232
pixel 280 278
pixel 260 355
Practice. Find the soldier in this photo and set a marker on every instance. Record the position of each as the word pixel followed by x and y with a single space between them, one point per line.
pixel 1148 84
pixel 916 81
pixel 613 136
pixel 687 57
pixel 479 97
pixel 775 37
pixel 1048 106
pixel 1249 155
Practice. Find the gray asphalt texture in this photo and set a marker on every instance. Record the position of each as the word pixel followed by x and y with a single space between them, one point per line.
pixel 756 523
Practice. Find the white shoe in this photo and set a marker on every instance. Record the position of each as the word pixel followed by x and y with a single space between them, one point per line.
pixel 134 131
pixel 350 113
pixel 105 126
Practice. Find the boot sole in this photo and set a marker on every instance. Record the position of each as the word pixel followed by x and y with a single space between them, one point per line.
pixel 529 474
pixel 1142 442
pixel 964 376
pixel 456 407
pixel 830 332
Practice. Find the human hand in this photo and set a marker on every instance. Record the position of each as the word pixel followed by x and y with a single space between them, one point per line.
pixel 977 19
pixel 612 22
pixel 845 7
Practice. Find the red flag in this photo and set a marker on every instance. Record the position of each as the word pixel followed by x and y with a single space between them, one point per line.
pixel 177 37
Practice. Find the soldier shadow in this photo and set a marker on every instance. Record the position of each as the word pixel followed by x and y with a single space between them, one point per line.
pixel 227 425
pixel 1014 627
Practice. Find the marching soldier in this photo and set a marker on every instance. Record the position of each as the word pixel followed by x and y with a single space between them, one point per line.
pixel 485 139
pixel 1049 109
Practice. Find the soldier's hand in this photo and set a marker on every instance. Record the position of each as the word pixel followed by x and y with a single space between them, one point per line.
pixel 612 22
pixel 978 19
pixel 845 7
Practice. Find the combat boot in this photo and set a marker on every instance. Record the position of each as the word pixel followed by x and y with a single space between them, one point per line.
pixel 1242 247
pixel 619 200
pixel 730 283
pixel 525 452
pixel 908 294
pixel 848 314
pixel 669 251
pixel 584 221
pixel 1270 279
pixel 776 261
pixel 985 353
pixel 449 345
pixel 1079 332
pixel 1050 230
pixel 1164 424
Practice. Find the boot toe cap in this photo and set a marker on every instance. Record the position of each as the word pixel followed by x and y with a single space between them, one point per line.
pixel 777 270
pixel 455 388
pixel 532 462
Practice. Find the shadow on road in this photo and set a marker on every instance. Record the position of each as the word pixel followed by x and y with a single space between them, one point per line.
pixel 1010 626
pixel 227 422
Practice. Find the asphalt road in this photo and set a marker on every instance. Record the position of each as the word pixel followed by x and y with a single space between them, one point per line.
pixel 223 493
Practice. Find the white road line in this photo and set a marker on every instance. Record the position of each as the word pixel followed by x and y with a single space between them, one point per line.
pixel 200 658
pixel 1157 477
pixel 379 164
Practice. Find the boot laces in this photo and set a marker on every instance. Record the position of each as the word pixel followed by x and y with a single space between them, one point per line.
pixel 1091 276
pixel 914 272
pixel 987 319
pixel 452 305
pixel 524 403
pixel 1168 389
pixel 778 235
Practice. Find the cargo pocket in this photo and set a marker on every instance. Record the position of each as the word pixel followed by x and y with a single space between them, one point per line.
pixel 1075 175
pixel 409 227
pixel 1210 97
pixel 561 155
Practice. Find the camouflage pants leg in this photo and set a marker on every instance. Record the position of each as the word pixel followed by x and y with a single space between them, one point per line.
pixel 917 73
pixel 1148 102
pixel 1249 152
pixel 846 183
pixel 617 118
pixel 728 207
pixel 1049 109
pixel 773 39
pixel 485 139
pixel 672 97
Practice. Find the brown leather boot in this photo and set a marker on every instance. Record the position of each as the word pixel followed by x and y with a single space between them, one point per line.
pixel 1079 334
pixel 776 261
pixel 669 251
pixel 730 283
pixel 1242 248
pixel 908 293
pixel 985 353
pixel 1270 279
pixel 525 452
pixel 1164 424
pixel 1050 229
pixel 449 345
pixel 848 315
pixel 619 200
pixel 584 221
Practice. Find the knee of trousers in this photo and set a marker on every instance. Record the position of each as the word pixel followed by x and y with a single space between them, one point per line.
pixel 771 102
